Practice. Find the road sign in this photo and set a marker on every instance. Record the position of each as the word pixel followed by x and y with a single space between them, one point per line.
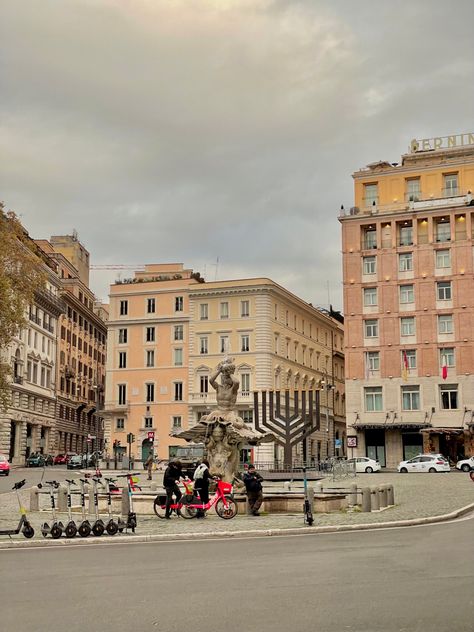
pixel 151 435
pixel 352 442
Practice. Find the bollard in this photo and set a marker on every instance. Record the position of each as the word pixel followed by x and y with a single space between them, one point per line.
pixel 390 498
pixel 374 499
pixel 91 500
pixel 287 485
pixel 352 496
pixel 382 496
pixel 366 499
pixel 62 499
pixel 310 494
pixel 34 499
pixel 125 502
pixel 153 486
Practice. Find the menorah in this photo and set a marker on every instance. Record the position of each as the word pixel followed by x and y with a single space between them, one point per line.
pixel 290 424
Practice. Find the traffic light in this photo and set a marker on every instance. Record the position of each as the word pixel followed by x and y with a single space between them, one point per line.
pixel 130 438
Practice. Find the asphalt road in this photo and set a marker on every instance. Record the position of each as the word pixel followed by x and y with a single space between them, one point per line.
pixel 33 476
pixel 398 580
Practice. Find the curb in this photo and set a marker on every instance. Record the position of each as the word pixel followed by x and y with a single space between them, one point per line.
pixel 254 533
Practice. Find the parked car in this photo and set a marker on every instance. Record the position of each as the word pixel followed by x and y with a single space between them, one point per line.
pixel 466 465
pixel 35 460
pixel 69 456
pixel 365 465
pixel 48 459
pixel 4 465
pixel 60 459
pixel 425 463
pixel 75 462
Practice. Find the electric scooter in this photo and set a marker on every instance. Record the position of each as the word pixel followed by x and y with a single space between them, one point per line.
pixel 131 522
pixel 24 525
pixel 98 527
pixel 111 527
pixel 56 528
pixel 85 526
pixel 71 527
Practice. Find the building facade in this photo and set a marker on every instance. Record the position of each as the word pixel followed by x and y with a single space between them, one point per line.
pixel 408 302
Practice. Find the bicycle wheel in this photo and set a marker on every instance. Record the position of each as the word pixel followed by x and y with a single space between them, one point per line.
pixel 226 513
pixel 159 506
pixel 187 512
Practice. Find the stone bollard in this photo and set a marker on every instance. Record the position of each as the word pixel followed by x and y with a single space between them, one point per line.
pixel 34 499
pixel 374 499
pixel 352 496
pixel 91 500
pixel 390 496
pixel 366 506
pixel 287 485
pixel 125 502
pixel 311 498
pixel 62 499
pixel 382 496
pixel 153 486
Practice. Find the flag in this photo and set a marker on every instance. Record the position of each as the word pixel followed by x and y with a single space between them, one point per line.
pixel 444 368
pixel 405 366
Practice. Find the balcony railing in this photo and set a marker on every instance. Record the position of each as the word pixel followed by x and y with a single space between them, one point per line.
pixel 210 398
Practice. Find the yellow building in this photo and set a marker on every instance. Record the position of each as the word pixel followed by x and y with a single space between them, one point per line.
pixel 167 332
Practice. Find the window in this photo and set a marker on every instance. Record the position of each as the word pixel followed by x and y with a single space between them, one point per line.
pixel 449 396
pixel 406 294
pixel 371 328
pixel 224 310
pixel 123 308
pixel 178 332
pixel 120 423
pixel 445 324
pixel 122 394
pixel 203 345
pixel 178 357
pixel 443 229
pixel 370 194
pixel 373 360
pixel 178 304
pixel 450 184
pixel 150 305
pixel 245 383
pixel 276 343
pixel 204 311
pixel 373 398
pixel 406 234
pixel 446 356
pixel 443 290
pixel 247 416
pixel 369 265
pixel 407 326
pixel 178 391
pixel 148 422
pixel 150 334
pixel 411 358
pixel 150 392
pixel 370 296
pixel 244 309
pixel 410 397
pixel 122 360
pixel 177 421
pixel 405 262
pixel 443 258
pixel 413 189
pixel 204 384
pixel 245 343
pixel 224 344
pixel 150 357
pixel 370 238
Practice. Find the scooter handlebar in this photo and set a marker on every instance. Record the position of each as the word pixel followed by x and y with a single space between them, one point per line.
pixel 52 483
pixel 70 482
pixel 19 485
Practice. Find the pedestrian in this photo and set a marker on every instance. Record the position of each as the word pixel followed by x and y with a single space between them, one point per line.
pixel 201 485
pixel 149 464
pixel 172 474
pixel 253 486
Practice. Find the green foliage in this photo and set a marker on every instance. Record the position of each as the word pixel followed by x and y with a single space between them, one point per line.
pixel 20 275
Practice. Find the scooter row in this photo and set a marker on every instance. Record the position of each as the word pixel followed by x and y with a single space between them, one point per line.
pixel 85 528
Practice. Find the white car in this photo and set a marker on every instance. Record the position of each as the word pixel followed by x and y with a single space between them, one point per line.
pixel 365 465
pixel 466 465
pixel 424 463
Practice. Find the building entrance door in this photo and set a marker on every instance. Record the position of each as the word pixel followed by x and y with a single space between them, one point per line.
pixel 147 446
pixel 375 445
pixel 412 445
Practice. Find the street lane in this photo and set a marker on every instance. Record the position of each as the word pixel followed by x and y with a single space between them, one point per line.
pixel 382 581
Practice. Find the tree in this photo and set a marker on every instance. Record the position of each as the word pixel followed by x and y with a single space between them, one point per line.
pixel 21 274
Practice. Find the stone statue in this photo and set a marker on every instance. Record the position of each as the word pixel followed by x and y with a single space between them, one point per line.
pixel 222 431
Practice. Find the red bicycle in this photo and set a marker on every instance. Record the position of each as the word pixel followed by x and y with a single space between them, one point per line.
pixel 189 504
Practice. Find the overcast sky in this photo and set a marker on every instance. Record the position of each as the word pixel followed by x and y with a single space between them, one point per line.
pixel 186 130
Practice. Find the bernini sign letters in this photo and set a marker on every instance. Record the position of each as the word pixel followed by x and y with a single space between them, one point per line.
pixel 441 142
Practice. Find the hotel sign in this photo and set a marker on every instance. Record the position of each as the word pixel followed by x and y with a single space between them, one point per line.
pixel 441 142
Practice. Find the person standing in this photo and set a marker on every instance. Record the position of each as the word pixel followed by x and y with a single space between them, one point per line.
pixel 149 464
pixel 170 482
pixel 253 486
pixel 201 485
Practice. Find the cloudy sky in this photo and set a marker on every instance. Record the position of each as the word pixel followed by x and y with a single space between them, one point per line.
pixel 191 130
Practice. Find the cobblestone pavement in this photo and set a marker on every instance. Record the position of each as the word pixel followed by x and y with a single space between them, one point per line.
pixel 416 496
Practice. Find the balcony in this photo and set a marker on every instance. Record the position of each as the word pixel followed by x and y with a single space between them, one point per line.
pixel 210 398
pixel 115 407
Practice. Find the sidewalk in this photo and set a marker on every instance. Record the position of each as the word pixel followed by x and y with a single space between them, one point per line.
pixel 417 496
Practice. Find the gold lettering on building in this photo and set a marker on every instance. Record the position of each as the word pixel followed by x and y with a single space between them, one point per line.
pixel 441 142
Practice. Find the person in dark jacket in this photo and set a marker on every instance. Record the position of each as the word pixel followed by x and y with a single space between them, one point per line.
pixel 253 486
pixel 170 482
pixel 201 485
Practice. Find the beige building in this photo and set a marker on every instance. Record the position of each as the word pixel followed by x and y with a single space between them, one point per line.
pixel 408 303
pixel 167 332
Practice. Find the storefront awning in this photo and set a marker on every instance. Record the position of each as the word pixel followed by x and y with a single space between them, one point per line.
pixel 447 431
pixel 361 425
